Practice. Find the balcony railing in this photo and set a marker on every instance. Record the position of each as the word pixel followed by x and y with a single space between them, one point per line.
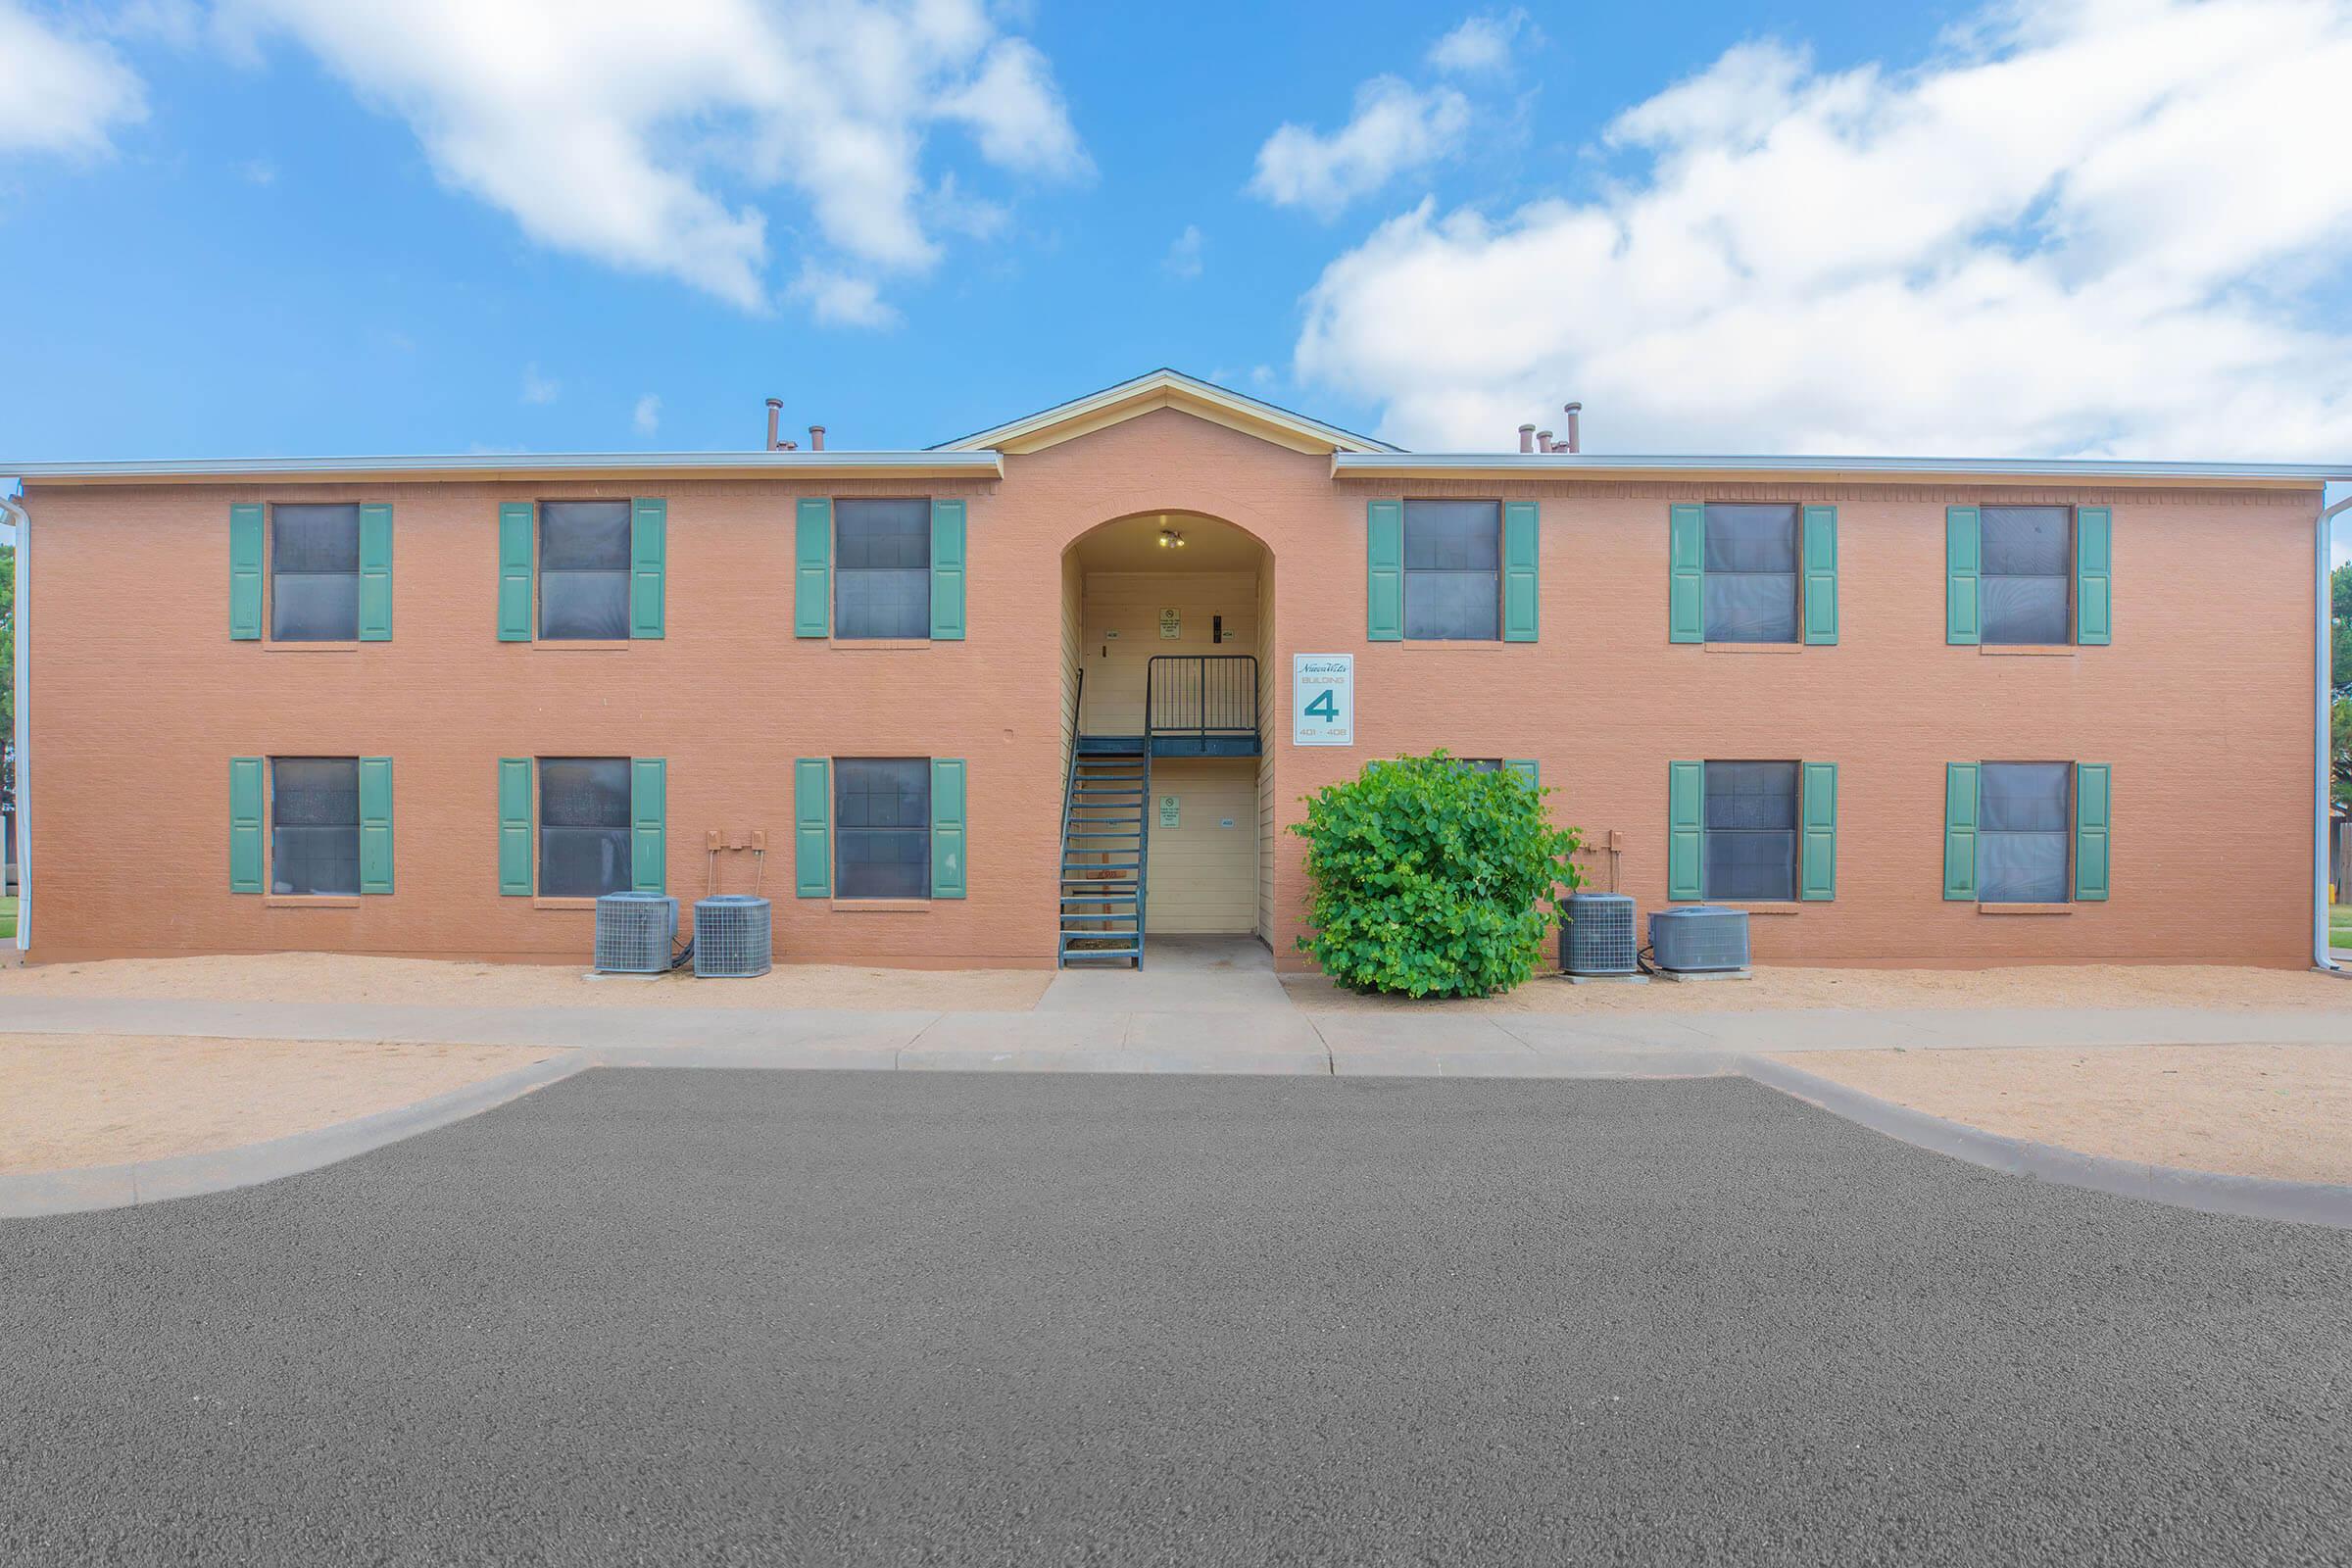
pixel 1202 705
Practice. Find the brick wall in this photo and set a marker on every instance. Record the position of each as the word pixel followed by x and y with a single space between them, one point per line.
pixel 139 699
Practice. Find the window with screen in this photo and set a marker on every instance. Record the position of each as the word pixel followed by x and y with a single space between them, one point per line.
pixel 882 568
pixel 882 827
pixel 1750 584
pixel 2023 832
pixel 583 826
pixel 314 573
pixel 584 569
pixel 1750 834
pixel 1453 570
pixel 314 825
pixel 2028 556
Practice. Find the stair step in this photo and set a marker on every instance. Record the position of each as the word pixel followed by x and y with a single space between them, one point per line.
pixel 1097 897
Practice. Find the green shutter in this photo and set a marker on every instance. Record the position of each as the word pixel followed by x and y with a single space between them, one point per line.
pixel 375 824
pixel 245 824
pixel 515 826
pixel 245 573
pixel 1520 541
pixel 1383 571
pixel 2094 570
pixel 947 572
pixel 1821 574
pixel 1686 820
pixel 1526 769
pixel 1960 830
pixel 649 820
pixel 811 827
pixel 1817 878
pixel 649 565
pixel 514 520
pixel 1685 575
pixel 2094 788
pixel 812 568
pixel 948 845
pixel 375 572
pixel 1963 596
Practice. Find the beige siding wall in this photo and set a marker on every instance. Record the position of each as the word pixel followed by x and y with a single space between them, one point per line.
pixel 1204 870
pixel 1073 600
pixel 1129 604
pixel 1271 712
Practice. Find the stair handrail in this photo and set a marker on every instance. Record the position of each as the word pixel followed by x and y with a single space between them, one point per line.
pixel 1142 850
pixel 1245 696
pixel 1070 801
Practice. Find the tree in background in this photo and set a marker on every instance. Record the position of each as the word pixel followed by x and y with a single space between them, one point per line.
pixel 2339 726
pixel 8 678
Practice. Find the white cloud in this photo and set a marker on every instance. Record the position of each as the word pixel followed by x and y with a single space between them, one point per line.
pixel 539 389
pixel 635 135
pixel 258 171
pixel 1481 45
pixel 1397 129
pixel 65 92
pixel 1184 256
pixel 838 299
pixel 2091 227
pixel 647 416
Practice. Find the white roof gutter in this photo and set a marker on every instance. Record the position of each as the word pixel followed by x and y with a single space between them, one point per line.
pixel 1616 466
pixel 521 465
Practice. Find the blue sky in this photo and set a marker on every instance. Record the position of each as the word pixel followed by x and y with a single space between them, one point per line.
pixel 305 226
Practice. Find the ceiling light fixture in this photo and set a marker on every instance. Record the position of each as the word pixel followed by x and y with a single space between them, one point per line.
pixel 1169 537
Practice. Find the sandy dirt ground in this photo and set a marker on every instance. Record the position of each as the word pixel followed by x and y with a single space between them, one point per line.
pixel 2248 1110
pixel 1780 990
pixel 339 977
pixel 69 1101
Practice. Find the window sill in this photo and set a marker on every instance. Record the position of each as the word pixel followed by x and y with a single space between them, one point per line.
pixel 2027 649
pixel 270 646
pixel 585 645
pixel 2025 909
pixel 310 901
pixel 881 905
pixel 878 645
pixel 539 903
pixel 1753 648
pixel 1488 645
pixel 1774 908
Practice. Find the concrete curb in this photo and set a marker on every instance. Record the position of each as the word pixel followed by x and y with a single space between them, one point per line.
pixel 2208 1191
pixel 74 1192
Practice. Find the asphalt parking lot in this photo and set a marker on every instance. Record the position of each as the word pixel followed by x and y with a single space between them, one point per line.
pixel 687 1316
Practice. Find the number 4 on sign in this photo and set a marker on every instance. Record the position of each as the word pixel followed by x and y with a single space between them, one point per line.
pixel 1326 705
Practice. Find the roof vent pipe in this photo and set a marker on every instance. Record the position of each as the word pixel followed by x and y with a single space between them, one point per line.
pixel 775 412
pixel 1572 410
pixel 1544 441
pixel 816 438
pixel 1527 438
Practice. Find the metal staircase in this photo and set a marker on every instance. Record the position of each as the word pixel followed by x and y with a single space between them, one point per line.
pixel 1105 851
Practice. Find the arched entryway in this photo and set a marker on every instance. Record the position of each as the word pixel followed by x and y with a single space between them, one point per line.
pixel 1167 640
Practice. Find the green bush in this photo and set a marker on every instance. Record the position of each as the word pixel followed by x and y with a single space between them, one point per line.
pixel 1432 880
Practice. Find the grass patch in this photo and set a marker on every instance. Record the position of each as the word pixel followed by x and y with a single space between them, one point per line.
pixel 8 917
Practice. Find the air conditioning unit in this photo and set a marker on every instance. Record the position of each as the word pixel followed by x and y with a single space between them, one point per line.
pixel 1597 935
pixel 1698 938
pixel 634 932
pixel 733 937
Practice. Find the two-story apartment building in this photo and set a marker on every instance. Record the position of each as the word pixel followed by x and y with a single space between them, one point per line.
pixel 1071 675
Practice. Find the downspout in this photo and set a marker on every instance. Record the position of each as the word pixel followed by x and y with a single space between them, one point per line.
pixel 2322 694
pixel 24 551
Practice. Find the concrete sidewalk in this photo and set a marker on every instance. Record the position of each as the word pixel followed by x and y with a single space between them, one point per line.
pixel 1274 1038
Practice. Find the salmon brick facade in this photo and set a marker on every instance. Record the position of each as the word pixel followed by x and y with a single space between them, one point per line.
pixel 139 699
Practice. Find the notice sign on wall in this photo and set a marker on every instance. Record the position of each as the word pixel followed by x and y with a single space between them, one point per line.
pixel 1322 699
pixel 1171 625
pixel 1168 816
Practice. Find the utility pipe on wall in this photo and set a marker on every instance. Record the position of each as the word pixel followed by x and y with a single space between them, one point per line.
pixel 23 526
pixel 2323 675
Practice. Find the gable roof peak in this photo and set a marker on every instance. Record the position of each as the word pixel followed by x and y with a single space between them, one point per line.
pixel 1165 388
